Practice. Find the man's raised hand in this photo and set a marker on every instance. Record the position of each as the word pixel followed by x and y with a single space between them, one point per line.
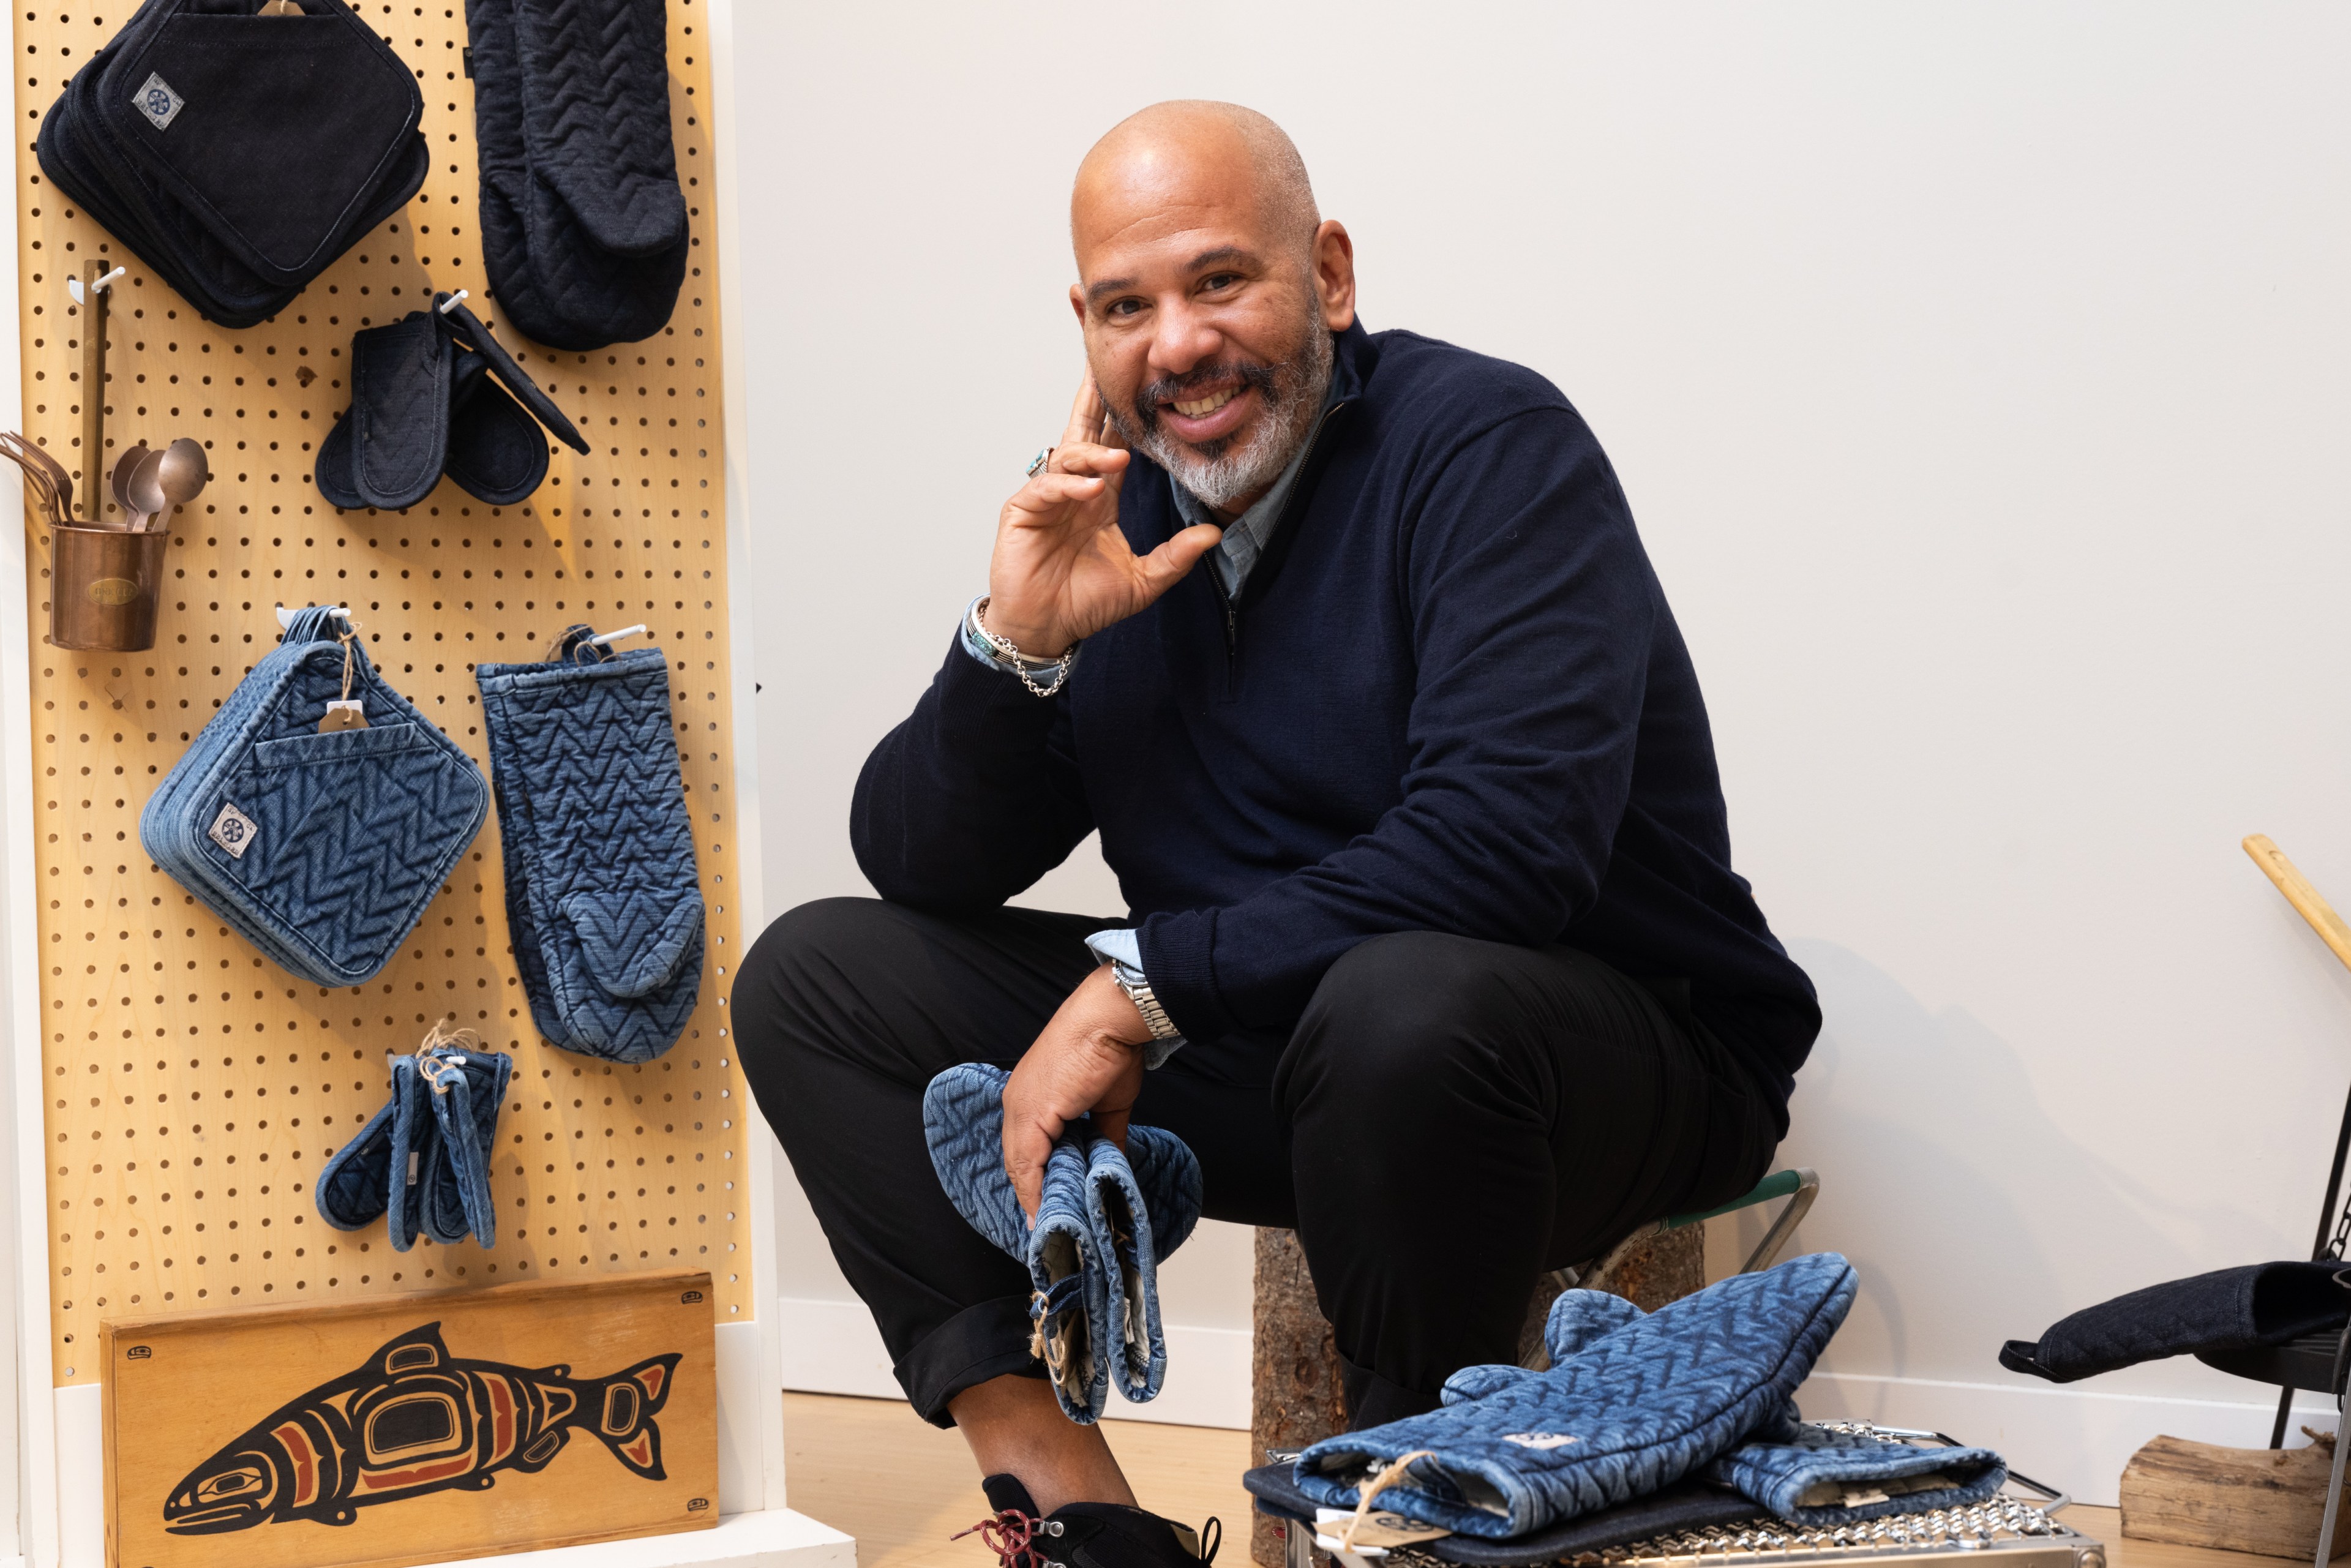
pixel 1062 571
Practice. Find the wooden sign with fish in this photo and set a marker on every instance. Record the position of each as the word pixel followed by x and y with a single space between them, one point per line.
pixel 412 1429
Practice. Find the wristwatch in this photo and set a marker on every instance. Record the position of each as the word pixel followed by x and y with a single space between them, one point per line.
pixel 1138 990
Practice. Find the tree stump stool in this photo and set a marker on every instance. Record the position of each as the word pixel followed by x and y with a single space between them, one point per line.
pixel 1295 1395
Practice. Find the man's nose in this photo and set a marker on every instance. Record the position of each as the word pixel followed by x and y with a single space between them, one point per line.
pixel 1185 339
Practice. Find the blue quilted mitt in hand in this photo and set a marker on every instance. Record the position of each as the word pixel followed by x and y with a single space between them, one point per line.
pixel 603 901
pixel 1105 1223
pixel 1628 1407
pixel 1812 1476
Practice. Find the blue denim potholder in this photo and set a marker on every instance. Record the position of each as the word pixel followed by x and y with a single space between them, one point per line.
pixel 466 1089
pixel 604 900
pixel 423 1162
pixel 1628 1407
pixel 1814 1476
pixel 1105 1222
pixel 321 850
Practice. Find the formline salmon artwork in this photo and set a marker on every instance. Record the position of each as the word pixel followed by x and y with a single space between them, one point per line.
pixel 413 1420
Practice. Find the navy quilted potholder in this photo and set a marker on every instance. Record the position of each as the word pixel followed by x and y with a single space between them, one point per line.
pixel 321 849
pixel 604 900
pixel 1626 1408
pixel 584 227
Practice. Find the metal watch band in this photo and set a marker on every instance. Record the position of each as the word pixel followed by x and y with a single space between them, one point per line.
pixel 1138 990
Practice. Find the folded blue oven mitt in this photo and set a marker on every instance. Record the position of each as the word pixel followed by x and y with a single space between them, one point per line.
pixel 1823 1478
pixel 1106 1221
pixel 423 1162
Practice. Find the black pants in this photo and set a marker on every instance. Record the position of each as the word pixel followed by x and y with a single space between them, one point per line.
pixel 1449 1119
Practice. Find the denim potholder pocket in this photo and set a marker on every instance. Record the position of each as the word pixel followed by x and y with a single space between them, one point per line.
pixel 604 897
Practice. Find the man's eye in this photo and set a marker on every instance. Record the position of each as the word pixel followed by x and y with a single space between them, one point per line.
pixel 1124 307
pixel 1216 280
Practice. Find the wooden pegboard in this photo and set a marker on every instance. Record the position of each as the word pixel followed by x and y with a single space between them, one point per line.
pixel 196 1088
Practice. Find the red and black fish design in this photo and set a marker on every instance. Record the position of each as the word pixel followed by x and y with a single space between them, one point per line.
pixel 412 1421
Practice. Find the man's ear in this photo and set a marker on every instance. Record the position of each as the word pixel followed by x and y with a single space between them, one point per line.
pixel 1334 275
pixel 1077 305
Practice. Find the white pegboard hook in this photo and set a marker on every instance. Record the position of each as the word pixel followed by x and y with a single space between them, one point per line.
pixel 452 302
pixel 74 286
pixel 286 616
pixel 636 631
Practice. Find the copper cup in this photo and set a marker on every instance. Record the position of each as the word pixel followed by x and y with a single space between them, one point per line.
pixel 103 587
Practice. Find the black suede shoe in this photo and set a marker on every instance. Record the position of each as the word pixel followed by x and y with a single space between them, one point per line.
pixel 1007 1495
pixel 1111 1535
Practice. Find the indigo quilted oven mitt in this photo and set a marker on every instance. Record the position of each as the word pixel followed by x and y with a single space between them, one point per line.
pixel 1105 1222
pixel 1823 1478
pixel 2229 1308
pixel 1630 1405
pixel 604 900
pixel 321 848
pixel 423 1162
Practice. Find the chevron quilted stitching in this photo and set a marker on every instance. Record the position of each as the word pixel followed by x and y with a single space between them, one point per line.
pixel 1629 1413
pixel 598 850
pixel 584 229
pixel 1780 1473
pixel 356 830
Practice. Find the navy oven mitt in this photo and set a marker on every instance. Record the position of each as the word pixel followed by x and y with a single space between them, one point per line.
pixel 584 227
pixel 603 899
pixel 423 1162
pixel 236 154
pixel 434 393
pixel 2229 1308
pixel 321 847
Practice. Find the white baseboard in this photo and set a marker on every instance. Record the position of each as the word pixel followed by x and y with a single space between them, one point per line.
pixel 832 1347
pixel 2072 1438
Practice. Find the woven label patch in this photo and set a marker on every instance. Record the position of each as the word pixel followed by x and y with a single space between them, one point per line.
pixel 233 831
pixel 157 101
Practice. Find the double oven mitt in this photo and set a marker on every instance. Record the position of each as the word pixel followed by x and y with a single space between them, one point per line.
pixel 321 847
pixel 1630 1405
pixel 584 227
pixel 1106 1221
pixel 1821 1478
pixel 434 393
pixel 2229 1308
pixel 423 1162
pixel 603 901
pixel 238 154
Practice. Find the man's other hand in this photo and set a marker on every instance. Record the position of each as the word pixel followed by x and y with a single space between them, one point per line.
pixel 1062 571
pixel 1089 1059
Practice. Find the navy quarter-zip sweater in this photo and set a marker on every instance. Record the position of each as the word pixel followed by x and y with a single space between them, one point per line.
pixel 1451 697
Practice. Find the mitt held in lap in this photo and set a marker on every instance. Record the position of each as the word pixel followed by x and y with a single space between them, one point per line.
pixel 1105 1222
pixel 603 899
pixel 1628 1407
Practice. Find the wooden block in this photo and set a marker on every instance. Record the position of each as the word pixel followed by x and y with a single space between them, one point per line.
pixel 416 1429
pixel 2265 1500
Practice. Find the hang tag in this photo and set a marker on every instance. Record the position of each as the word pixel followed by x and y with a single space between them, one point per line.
pixel 411 1168
pixel 1380 1529
pixel 350 714
pixel 1857 1497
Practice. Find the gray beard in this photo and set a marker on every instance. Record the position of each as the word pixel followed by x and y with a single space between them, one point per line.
pixel 1219 481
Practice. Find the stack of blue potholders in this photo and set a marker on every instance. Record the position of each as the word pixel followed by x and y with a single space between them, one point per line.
pixel 1633 1405
pixel 1104 1223
pixel 423 1162
pixel 602 897
pixel 322 845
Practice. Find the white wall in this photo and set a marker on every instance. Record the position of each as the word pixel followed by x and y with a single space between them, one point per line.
pixel 1976 373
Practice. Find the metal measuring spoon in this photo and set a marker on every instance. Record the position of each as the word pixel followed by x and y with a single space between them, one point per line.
pixel 119 480
pixel 181 475
pixel 147 497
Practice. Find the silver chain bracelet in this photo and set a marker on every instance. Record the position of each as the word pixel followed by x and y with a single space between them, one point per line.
pixel 1021 663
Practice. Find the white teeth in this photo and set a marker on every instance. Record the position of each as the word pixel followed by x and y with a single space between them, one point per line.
pixel 1206 404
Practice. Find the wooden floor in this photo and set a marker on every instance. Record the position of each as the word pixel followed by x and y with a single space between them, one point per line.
pixel 903 1487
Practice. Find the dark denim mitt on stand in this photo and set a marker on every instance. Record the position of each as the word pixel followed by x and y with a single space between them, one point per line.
pixel 584 227
pixel 321 848
pixel 238 155
pixel 430 396
pixel 2229 1308
pixel 1633 1406
pixel 604 900
pixel 1105 1222
pixel 423 1162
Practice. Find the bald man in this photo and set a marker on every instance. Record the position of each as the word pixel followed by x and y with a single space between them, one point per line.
pixel 1347 647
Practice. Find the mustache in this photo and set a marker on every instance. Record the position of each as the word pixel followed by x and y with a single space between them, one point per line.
pixel 1266 379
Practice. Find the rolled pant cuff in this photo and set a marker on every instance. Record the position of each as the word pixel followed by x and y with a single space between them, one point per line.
pixel 981 1341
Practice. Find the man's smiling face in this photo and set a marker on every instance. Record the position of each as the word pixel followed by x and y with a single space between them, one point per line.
pixel 1206 332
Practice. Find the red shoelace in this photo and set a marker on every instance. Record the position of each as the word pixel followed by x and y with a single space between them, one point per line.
pixel 1007 1534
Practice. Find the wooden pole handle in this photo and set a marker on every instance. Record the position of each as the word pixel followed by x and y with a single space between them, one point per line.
pixel 2304 898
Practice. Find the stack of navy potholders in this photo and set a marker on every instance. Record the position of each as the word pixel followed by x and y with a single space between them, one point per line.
pixel 423 1162
pixel 1677 1419
pixel 603 901
pixel 319 812
pixel 1105 1222
pixel 238 154
pixel 584 225
pixel 430 396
